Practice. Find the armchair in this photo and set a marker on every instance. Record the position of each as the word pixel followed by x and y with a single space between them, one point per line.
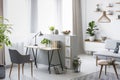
pixel 17 58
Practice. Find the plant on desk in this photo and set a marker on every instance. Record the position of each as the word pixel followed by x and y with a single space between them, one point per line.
pixel 45 41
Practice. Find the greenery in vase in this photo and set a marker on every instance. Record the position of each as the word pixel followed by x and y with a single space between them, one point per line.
pixel 91 28
pixel 45 41
pixel 76 62
pixel 51 28
pixel 5 30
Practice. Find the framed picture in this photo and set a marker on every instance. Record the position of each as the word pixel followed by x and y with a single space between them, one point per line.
pixel 68 63
pixel 67 52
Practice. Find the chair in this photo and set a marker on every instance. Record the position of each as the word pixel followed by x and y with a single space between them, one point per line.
pixel 107 63
pixel 17 58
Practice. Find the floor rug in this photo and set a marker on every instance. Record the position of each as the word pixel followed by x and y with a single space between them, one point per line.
pixel 21 78
pixel 95 76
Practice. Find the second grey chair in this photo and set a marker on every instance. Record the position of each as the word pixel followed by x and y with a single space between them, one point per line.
pixel 17 58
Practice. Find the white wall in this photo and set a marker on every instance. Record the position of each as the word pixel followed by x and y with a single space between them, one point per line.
pixel 111 30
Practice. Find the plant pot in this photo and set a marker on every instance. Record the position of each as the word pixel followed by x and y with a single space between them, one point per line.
pixel 2 71
pixel 91 38
pixel 52 32
pixel 77 69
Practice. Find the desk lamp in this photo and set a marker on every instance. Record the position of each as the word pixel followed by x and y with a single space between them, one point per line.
pixel 40 34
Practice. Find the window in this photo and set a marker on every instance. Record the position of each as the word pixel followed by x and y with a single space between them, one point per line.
pixel 67 15
pixel 17 11
pixel 47 15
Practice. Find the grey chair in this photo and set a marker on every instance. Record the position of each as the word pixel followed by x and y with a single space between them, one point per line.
pixel 17 58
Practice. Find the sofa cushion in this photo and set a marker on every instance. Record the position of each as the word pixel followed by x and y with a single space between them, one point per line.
pixel 110 44
pixel 117 47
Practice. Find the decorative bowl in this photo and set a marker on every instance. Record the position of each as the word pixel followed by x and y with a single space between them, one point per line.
pixel 66 32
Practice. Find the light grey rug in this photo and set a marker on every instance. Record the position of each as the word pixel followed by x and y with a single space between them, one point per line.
pixel 22 78
pixel 95 76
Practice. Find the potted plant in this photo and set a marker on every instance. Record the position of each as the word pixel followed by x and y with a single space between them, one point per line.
pixel 45 41
pixel 76 64
pixel 91 30
pixel 5 30
pixel 52 28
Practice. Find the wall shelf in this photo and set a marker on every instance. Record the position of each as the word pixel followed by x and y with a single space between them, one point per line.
pixel 117 2
pixel 98 11
pixel 118 11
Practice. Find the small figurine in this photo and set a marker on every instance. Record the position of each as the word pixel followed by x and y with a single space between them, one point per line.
pixel 98 7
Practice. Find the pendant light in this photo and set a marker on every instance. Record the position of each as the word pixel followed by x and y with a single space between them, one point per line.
pixel 104 18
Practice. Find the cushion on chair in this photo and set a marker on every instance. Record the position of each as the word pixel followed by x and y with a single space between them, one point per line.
pixel 102 62
pixel 106 62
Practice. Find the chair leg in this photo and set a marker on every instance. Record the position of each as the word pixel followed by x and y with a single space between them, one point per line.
pixel 96 60
pixel 100 70
pixel 115 70
pixel 105 69
pixel 10 69
pixel 18 71
pixel 31 69
pixel 23 68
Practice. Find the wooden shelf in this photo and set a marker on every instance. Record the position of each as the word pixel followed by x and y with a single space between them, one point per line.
pixel 117 2
pixel 96 40
pixel 118 11
pixel 118 19
pixel 110 6
pixel 98 11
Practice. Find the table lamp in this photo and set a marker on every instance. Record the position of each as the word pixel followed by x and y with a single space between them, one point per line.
pixel 35 36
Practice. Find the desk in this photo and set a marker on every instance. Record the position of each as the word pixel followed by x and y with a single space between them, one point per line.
pixel 49 50
pixel 106 54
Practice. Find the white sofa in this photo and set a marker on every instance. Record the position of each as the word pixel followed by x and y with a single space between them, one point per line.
pixel 110 46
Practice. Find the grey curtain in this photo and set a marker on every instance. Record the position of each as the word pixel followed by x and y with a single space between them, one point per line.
pixel 77 24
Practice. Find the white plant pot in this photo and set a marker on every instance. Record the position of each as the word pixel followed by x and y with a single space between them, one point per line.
pixel 91 38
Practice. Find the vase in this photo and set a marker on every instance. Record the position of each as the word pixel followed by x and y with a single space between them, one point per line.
pixel 56 32
pixel 91 38
pixel 52 32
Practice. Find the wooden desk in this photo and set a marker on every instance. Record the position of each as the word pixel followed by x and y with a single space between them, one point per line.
pixel 49 51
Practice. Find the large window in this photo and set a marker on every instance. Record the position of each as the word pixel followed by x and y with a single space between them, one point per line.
pixel 67 22
pixel 17 11
pixel 47 15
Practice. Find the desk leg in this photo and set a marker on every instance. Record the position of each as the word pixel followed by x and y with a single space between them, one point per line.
pixel 49 62
pixel 60 59
pixel 51 57
pixel 26 50
pixel 96 60
pixel 34 57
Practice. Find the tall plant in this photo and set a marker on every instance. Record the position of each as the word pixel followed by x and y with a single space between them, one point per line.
pixel 5 30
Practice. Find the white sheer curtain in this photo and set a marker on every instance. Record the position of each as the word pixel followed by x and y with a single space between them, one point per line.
pixel 17 11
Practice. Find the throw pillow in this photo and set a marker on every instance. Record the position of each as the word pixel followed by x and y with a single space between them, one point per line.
pixel 117 47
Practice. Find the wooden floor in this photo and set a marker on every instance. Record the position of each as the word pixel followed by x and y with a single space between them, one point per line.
pixel 41 73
